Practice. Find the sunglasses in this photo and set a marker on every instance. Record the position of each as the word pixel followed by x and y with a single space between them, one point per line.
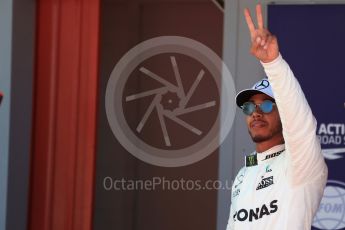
pixel 249 107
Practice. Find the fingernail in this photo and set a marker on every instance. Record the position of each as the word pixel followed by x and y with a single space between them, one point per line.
pixel 258 39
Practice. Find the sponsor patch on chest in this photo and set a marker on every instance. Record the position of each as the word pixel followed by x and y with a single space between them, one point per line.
pixel 265 182
pixel 256 213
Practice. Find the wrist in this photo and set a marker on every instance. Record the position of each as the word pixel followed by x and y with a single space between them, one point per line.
pixel 270 60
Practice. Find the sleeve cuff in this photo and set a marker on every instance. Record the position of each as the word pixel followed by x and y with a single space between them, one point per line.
pixel 279 58
pixel 273 66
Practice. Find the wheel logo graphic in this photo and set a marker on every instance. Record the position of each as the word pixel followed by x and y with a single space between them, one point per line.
pixel 158 96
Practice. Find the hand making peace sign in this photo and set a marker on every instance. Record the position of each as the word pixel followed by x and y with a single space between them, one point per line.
pixel 264 45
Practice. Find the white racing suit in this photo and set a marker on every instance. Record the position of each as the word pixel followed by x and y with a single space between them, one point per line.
pixel 283 187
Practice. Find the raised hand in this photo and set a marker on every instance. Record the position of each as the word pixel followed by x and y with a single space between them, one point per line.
pixel 264 45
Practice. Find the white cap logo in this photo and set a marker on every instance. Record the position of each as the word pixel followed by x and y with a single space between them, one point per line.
pixel 262 85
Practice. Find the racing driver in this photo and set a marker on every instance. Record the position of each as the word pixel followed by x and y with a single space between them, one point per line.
pixel 282 183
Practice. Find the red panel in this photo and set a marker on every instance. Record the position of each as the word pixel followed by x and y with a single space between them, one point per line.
pixel 64 115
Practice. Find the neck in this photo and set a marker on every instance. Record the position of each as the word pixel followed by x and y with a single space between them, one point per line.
pixel 266 145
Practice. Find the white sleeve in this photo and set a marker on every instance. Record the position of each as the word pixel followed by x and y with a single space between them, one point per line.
pixel 299 125
pixel 230 225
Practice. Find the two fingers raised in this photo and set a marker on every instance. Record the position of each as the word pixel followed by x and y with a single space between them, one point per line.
pixel 259 36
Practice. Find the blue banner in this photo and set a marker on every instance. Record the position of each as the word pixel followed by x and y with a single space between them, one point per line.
pixel 312 40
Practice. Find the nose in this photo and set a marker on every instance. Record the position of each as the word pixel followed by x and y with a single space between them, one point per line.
pixel 257 112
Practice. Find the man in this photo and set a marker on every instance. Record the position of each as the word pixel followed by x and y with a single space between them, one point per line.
pixel 283 181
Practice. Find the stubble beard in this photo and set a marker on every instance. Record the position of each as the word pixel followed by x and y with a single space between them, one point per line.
pixel 262 138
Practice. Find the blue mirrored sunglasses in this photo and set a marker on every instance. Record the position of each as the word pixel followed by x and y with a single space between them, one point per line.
pixel 249 107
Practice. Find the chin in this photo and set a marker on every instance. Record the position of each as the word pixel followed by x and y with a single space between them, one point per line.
pixel 257 138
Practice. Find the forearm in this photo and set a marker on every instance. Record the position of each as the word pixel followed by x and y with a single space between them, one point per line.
pixel 299 124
